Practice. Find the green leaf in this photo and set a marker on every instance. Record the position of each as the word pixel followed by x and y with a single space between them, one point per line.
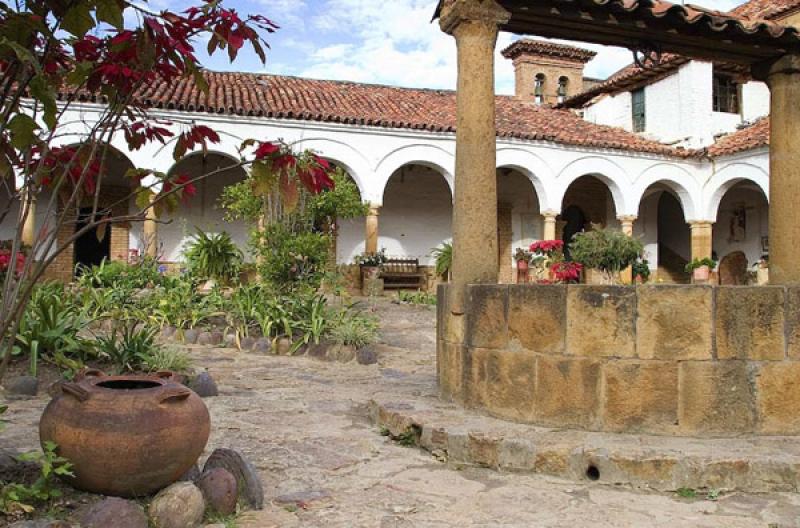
pixel 143 198
pixel 78 19
pixel 45 94
pixel 81 72
pixel 264 179
pixel 109 11
pixel 23 131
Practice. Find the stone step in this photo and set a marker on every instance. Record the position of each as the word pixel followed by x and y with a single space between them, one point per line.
pixel 465 438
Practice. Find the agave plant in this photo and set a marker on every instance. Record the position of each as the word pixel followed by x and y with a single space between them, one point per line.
pixel 444 259
pixel 214 256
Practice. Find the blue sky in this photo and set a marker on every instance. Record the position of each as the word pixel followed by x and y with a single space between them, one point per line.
pixel 386 42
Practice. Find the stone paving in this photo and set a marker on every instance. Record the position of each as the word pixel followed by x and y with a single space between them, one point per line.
pixel 306 426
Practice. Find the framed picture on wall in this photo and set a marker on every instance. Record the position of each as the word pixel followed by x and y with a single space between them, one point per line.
pixel 765 244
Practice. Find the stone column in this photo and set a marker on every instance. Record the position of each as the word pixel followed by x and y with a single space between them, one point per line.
pixel 29 227
pixel 371 235
pixel 626 224
pixel 701 239
pixel 474 24
pixel 549 231
pixel 150 233
pixel 783 79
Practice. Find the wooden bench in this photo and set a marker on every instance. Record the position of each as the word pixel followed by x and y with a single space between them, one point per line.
pixel 402 273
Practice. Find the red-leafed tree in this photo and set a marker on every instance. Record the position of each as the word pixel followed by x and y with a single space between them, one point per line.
pixel 54 54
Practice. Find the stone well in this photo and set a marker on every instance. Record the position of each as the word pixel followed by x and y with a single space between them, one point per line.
pixel 666 360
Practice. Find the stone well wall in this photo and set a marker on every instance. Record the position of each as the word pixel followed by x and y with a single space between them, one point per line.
pixel 671 360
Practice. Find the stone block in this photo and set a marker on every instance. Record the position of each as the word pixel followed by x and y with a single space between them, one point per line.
pixel 516 454
pixel 793 322
pixel 503 383
pixel 601 321
pixel 537 317
pixel 675 322
pixel 778 389
pixel 716 397
pixel 450 367
pixel 566 391
pixel 483 450
pixel 487 316
pixel 750 322
pixel 640 396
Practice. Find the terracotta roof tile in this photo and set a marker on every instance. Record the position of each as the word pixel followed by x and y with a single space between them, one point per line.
pixel 751 137
pixel 283 97
pixel 550 49
pixel 766 9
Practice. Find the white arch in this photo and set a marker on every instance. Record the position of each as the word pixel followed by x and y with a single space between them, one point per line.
pixel 676 178
pixel 726 178
pixel 344 155
pixel 535 169
pixel 610 173
pixel 429 156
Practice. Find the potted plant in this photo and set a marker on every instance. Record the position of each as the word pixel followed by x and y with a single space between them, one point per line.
pixel 523 259
pixel 700 268
pixel 641 271
pixel 566 271
pixel 545 253
pixel 607 250
pixel 371 263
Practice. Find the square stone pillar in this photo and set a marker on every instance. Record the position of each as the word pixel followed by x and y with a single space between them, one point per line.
pixel 150 233
pixel 474 24
pixel 702 241
pixel 371 234
pixel 783 79
pixel 626 224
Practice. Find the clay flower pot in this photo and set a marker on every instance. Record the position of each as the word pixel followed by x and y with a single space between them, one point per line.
pixel 522 265
pixel 701 274
pixel 126 435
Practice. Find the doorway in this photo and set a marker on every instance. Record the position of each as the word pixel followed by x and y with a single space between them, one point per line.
pixel 90 248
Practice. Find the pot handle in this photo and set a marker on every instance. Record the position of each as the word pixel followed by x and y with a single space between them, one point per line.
pixel 93 373
pixel 165 375
pixel 76 391
pixel 174 394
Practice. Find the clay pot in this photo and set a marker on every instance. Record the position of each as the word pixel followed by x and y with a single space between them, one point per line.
pixel 126 436
pixel 701 274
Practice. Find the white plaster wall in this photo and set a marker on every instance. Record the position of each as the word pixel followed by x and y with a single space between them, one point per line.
pixel 724 123
pixel 514 189
pixel 663 109
pixel 646 228
pixel 755 100
pixel 612 110
pixel 757 222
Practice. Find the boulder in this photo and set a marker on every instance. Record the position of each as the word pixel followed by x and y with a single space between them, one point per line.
pixel 191 475
pixel 283 346
pixel 246 343
pixel 204 385
pixel 342 353
pixel 180 505
pixel 262 346
pixel 22 386
pixel 216 338
pixel 367 355
pixel 250 488
pixel 204 338
pixel 219 489
pixel 115 512
pixel 318 350
pixel 168 331
pixel 190 336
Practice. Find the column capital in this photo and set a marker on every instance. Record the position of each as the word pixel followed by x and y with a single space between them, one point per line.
pixel 550 213
pixel 700 224
pixel 374 210
pixel 627 219
pixel 785 65
pixel 486 12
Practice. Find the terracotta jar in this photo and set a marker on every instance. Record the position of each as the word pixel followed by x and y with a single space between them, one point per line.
pixel 126 435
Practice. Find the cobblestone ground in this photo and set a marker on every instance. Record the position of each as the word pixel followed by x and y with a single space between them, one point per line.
pixel 303 423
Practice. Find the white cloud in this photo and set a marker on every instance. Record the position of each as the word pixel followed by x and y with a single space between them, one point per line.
pixel 395 43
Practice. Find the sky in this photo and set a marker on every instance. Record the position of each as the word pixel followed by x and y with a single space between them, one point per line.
pixel 379 41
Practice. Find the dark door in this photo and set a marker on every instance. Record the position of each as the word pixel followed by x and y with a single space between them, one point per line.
pixel 91 249
pixel 575 223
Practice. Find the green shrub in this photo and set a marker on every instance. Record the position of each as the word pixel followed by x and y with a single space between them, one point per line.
pixel 167 359
pixel 289 260
pixel 444 259
pixel 354 329
pixel 416 297
pixel 214 256
pixel 16 497
pixel 607 250
pixel 129 346
pixel 120 274
pixel 699 263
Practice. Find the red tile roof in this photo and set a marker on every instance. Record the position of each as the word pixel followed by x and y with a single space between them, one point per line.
pixel 766 9
pixel 751 137
pixel 549 49
pixel 283 97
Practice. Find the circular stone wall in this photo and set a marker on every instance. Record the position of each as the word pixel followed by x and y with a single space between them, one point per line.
pixel 670 360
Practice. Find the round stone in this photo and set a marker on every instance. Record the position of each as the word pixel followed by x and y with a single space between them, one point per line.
pixel 204 385
pixel 180 505
pixel 22 386
pixel 263 346
pixel 190 336
pixel 250 488
pixel 366 355
pixel 115 512
pixel 219 489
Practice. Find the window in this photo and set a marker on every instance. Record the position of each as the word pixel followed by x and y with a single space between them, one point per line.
pixel 726 94
pixel 637 108
pixel 562 89
pixel 538 88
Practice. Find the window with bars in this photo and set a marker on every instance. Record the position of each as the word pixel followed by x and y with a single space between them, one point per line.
pixel 638 110
pixel 726 94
